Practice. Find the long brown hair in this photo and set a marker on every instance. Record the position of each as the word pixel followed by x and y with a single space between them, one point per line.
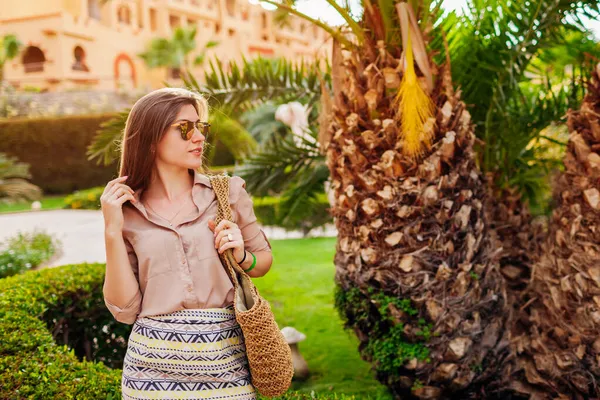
pixel 147 122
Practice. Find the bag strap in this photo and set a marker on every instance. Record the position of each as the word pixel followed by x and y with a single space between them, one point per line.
pixel 246 294
pixel 220 185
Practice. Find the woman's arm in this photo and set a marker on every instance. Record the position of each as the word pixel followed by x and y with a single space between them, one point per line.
pixel 121 288
pixel 264 260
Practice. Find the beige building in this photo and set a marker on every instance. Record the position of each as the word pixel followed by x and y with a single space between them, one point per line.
pixel 93 44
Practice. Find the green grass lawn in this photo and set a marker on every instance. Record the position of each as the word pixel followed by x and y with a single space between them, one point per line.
pixel 300 287
pixel 48 203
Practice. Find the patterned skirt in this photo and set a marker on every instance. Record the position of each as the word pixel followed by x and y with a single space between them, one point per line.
pixel 187 354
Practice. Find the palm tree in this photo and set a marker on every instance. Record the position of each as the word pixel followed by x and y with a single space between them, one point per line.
pixel 174 53
pixel 511 35
pixel 415 269
pixel 9 48
pixel 13 181
pixel 556 337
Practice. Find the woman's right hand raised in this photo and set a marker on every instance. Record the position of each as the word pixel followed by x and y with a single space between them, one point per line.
pixel 115 194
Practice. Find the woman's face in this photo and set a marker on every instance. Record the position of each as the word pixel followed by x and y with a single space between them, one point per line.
pixel 174 150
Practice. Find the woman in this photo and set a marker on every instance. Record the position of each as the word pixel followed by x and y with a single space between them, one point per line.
pixel 163 272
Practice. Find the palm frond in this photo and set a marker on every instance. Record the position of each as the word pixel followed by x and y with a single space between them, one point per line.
pixel 233 135
pixel 357 30
pixel 257 81
pixel 520 150
pixel 279 164
pixel 105 145
pixel 13 180
pixel 301 198
pixel 335 33
pixel 261 123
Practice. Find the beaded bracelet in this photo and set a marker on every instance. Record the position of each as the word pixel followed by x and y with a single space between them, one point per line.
pixel 253 262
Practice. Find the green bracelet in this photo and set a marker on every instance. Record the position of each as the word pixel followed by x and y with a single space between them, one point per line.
pixel 253 262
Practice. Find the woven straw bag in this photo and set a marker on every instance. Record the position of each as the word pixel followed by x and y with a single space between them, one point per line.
pixel 269 355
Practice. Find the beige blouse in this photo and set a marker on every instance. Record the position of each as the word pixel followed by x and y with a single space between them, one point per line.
pixel 179 267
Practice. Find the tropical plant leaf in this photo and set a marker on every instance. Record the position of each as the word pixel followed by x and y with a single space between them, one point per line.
pixel 279 164
pixel 13 180
pixel 257 81
pixel 106 144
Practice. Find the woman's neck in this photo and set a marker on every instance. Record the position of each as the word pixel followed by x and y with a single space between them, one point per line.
pixel 169 184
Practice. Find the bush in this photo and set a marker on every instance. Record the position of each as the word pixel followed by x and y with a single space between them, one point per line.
pixel 88 199
pixel 55 148
pixel 25 251
pixel 58 340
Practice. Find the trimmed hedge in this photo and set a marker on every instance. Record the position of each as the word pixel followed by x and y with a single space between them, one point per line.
pixel 55 148
pixel 66 302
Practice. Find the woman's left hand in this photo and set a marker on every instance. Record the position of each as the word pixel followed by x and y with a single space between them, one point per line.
pixel 223 243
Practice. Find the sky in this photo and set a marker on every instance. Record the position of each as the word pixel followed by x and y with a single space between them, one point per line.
pixel 321 10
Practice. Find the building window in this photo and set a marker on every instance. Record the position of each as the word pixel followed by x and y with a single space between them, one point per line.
pixel 191 22
pixel 315 31
pixel 79 63
pixel 174 21
pixel 231 32
pixel 263 18
pixel 230 5
pixel 175 73
pixel 217 27
pixel 195 3
pixel 124 15
pixel 124 72
pixel 302 27
pixel 94 9
pixel 33 59
pixel 153 24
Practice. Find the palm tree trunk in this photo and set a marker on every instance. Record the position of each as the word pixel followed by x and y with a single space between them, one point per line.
pixel 556 337
pixel 417 276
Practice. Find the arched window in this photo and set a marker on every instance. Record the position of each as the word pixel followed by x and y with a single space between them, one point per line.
pixel 33 59
pixel 124 72
pixel 79 62
pixel 124 14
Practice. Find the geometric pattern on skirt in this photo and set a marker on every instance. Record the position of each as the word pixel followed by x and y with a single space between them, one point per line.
pixel 187 354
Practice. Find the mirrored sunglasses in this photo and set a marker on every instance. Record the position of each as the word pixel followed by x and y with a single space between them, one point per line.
pixel 187 128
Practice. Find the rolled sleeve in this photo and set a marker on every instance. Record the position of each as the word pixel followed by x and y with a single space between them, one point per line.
pixel 130 311
pixel 243 214
pixel 127 314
